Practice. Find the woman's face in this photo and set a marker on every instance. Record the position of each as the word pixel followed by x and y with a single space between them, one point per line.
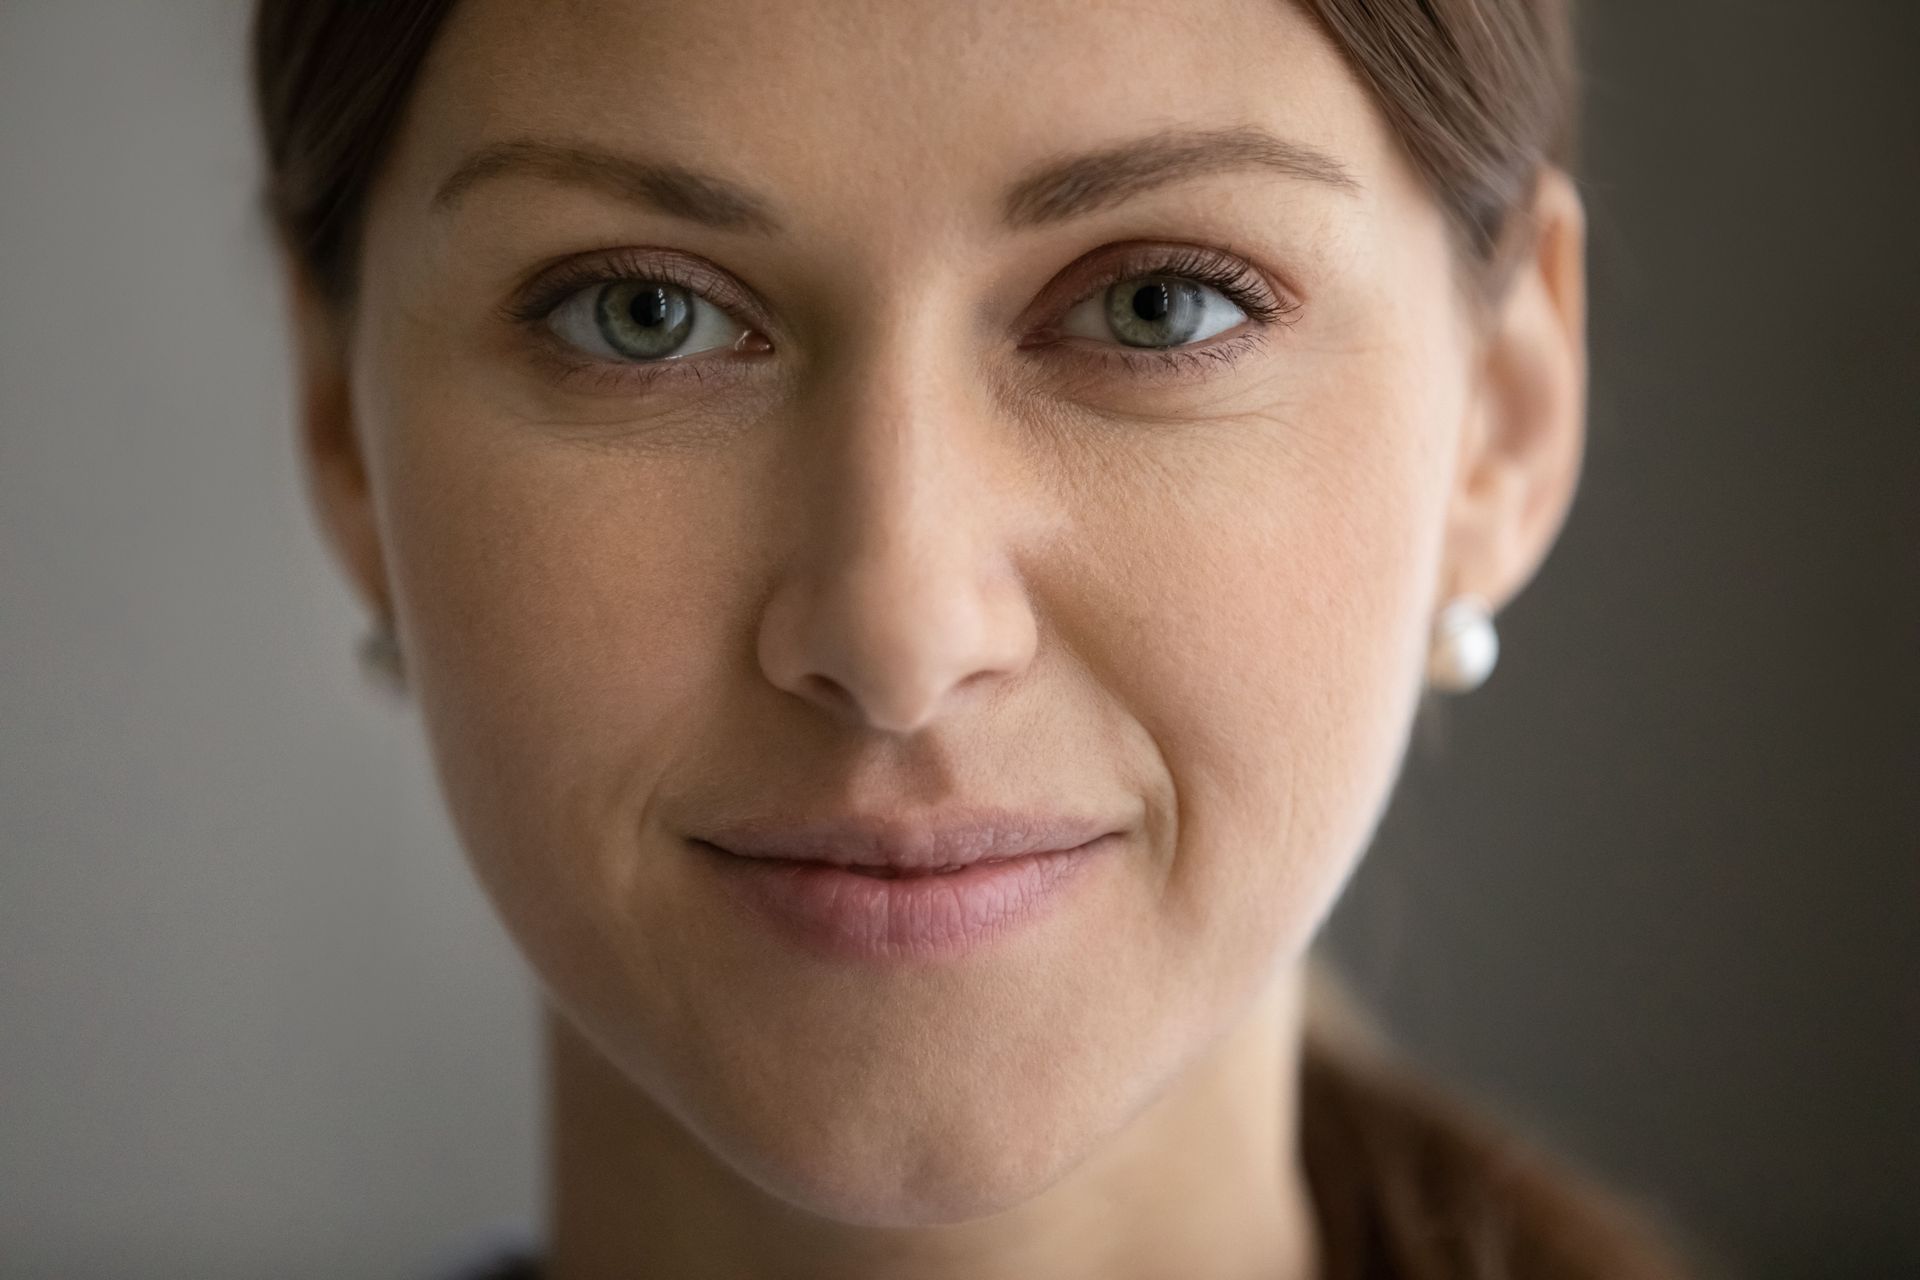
pixel 1045 405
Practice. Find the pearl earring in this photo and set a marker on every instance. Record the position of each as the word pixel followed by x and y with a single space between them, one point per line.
pixel 380 657
pixel 1465 646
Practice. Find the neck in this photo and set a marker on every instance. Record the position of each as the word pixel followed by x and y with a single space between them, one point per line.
pixel 1204 1183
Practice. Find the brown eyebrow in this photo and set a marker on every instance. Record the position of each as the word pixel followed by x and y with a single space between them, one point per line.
pixel 1052 191
pixel 1074 185
pixel 672 189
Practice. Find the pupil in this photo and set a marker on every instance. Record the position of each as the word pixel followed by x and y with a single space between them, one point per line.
pixel 649 308
pixel 1152 302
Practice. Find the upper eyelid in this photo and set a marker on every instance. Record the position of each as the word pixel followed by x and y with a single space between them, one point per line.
pixel 551 286
pixel 1137 259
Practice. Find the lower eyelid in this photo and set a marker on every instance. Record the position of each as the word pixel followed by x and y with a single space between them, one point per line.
pixel 1172 363
pixel 1220 351
pixel 570 370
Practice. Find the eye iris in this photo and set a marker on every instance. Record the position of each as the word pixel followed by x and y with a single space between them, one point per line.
pixel 1156 312
pixel 644 320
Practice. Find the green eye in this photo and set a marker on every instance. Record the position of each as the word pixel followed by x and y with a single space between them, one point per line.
pixel 642 320
pixel 1154 311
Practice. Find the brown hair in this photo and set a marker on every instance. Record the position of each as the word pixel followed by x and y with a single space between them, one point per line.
pixel 1481 94
pixel 1407 1183
pixel 330 78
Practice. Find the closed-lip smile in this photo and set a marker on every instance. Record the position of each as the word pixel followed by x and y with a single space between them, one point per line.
pixel 922 887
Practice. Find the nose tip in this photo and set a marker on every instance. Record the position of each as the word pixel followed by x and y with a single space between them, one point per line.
pixel 889 650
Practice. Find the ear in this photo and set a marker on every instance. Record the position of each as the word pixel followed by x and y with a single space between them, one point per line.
pixel 1521 448
pixel 332 455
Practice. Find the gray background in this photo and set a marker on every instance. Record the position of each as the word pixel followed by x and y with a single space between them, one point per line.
pixel 1655 892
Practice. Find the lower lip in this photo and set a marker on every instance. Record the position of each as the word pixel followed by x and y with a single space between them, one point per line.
pixel 848 915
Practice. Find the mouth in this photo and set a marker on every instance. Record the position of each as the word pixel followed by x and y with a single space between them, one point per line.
pixel 880 913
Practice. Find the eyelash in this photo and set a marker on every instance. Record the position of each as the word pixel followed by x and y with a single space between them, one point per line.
pixel 1233 278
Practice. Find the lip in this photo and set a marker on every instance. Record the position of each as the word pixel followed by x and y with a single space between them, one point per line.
pixel 895 907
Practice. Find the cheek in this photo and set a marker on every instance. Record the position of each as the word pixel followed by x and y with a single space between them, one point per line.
pixel 1267 627
pixel 571 621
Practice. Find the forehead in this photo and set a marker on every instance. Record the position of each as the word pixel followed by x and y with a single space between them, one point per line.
pixel 879 101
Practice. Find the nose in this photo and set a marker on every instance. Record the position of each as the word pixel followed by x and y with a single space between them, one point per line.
pixel 901 587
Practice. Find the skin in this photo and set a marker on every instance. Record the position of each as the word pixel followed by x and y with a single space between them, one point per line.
pixel 894 553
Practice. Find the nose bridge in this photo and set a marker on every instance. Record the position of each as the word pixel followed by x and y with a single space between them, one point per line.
pixel 899 585
pixel 895 457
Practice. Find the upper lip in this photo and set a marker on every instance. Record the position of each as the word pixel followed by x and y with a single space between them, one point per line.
pixel 922 841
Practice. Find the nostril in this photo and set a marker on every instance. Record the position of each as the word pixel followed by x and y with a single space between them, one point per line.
pixel 832 692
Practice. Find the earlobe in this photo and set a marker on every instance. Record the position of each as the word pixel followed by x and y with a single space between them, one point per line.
pixel 1521 448
pixel 332 453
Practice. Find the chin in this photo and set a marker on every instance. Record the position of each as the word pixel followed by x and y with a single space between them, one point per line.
pixel 904 1146
pixel 915 1176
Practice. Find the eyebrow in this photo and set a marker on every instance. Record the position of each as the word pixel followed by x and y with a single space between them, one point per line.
pixel 1059 189
pixel 672 189
pixel 1052 191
